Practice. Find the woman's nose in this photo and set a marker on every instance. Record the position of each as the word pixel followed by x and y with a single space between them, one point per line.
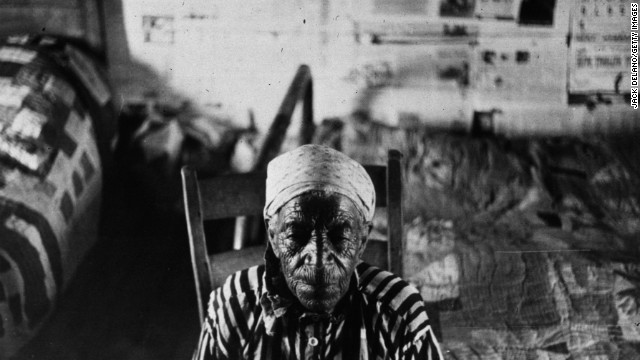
pixel 316 251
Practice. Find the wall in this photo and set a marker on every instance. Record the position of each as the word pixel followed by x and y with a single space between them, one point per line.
pixel 423 60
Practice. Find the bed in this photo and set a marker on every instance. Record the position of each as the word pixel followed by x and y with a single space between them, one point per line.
pixel 54 104
pixel 529 248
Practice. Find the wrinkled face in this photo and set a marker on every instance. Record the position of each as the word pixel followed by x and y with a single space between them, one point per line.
pixel 318 238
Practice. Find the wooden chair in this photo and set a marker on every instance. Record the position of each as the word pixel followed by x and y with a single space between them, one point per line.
pixel 300 92
pixel 236 195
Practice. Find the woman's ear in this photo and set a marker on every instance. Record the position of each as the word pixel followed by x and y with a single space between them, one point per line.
pixel 271 236
pixel 266 227
pixel 367 226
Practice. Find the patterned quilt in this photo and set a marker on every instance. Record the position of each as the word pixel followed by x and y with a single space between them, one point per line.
pixel 50 177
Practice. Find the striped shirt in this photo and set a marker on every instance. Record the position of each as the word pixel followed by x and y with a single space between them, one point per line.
pixel 381 317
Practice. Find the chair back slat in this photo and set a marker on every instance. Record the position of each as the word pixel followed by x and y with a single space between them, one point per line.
pixel 244 194
pixel 232 195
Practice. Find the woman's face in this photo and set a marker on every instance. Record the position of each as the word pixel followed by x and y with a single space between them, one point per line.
pixel 319 238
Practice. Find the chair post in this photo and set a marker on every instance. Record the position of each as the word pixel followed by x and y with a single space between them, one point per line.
pixel 394 208
pixel 300 89
pixel 278 130
pixel 308 127
pixel 197 242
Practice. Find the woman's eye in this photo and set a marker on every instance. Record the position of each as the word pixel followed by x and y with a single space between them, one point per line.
pixel 340 233
pixel 298 231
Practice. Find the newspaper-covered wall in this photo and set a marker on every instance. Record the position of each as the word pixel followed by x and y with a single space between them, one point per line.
pixel 599 47
pixel 387 57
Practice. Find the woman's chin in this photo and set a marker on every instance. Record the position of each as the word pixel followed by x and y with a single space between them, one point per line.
pixel 319 307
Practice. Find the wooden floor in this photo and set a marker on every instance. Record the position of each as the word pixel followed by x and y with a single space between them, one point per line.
pixel 133 297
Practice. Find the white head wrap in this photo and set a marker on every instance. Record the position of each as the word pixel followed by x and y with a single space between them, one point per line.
pixel 317 167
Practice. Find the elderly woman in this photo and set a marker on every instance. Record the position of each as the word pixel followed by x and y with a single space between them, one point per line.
pixel 313 298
